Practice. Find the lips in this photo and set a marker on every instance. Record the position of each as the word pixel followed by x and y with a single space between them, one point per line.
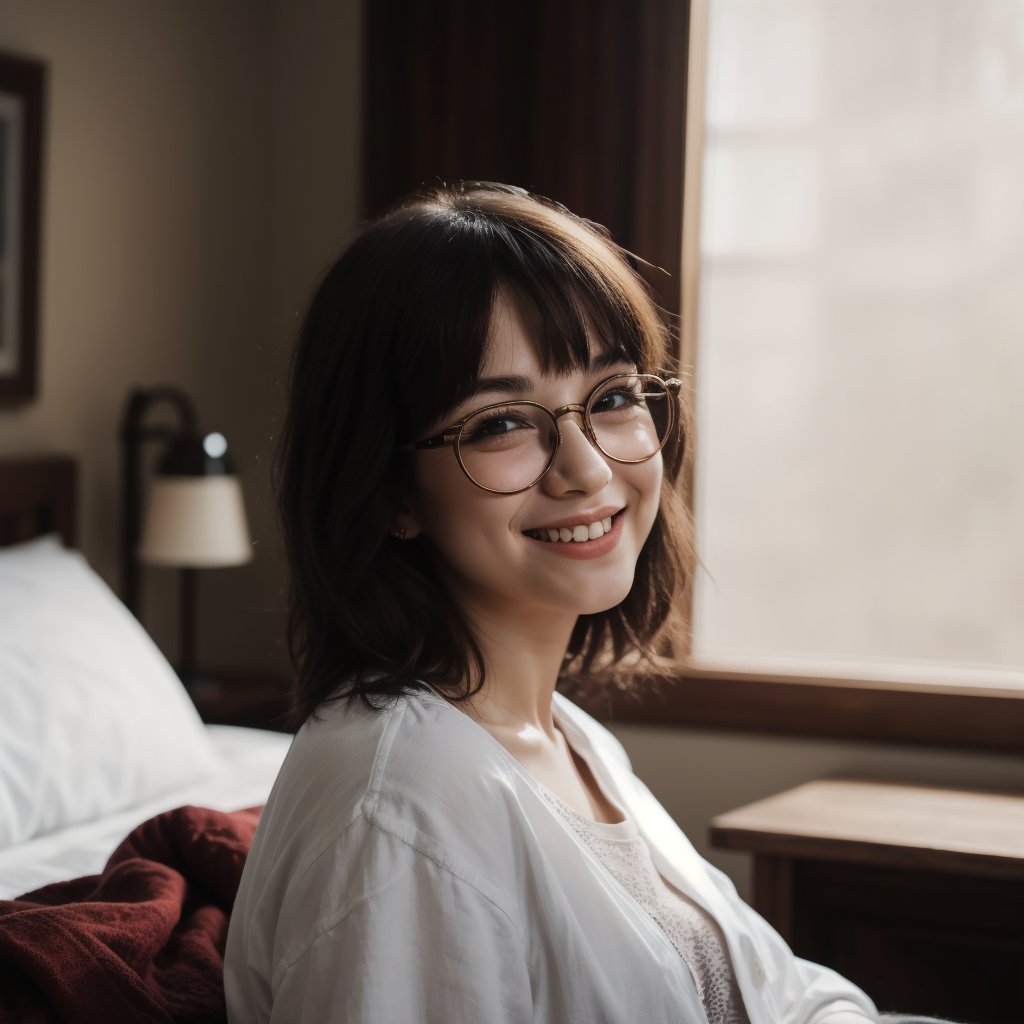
pixel 584 518
pixel 591 548
pixel 575 532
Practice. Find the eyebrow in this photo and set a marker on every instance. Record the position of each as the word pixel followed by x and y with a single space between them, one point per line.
pixel 518 385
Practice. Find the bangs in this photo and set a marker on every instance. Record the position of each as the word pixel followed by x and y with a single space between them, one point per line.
pixel 567 322
pixel 571 288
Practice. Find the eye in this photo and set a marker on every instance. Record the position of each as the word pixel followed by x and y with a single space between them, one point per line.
pixel 495 424
pixel 621 396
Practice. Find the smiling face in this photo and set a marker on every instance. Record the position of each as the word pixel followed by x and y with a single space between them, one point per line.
pixel 495 550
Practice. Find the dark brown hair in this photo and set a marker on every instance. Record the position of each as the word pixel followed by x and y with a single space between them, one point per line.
pixel 394 336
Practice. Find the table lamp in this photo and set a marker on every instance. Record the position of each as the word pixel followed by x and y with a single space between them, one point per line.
pixel 195 517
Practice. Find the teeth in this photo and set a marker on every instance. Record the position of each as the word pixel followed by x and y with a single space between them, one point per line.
pixel 578 534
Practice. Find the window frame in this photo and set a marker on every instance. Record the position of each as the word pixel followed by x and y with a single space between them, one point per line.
pixel 892 711
pixel 959 718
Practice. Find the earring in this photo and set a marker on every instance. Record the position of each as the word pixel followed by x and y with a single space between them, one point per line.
pixel 401 533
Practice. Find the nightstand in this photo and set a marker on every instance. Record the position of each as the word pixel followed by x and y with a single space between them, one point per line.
pixel 259 700
pixel 915 893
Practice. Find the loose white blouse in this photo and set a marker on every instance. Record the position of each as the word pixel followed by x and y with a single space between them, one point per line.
pixel 407 869
pixel 694 933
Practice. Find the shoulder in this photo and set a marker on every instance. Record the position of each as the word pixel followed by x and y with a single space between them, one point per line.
pixel 419 771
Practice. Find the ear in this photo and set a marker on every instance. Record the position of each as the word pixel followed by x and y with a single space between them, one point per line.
pixel 400 530
pixel 404 522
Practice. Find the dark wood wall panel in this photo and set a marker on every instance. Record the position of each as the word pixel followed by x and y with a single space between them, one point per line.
pixel 37 496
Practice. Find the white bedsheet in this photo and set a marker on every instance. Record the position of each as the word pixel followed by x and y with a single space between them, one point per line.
pixel 252 757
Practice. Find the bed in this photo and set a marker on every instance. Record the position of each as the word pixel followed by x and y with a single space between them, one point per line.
pixel 102 916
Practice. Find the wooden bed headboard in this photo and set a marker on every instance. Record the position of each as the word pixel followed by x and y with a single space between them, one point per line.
pixel 37 496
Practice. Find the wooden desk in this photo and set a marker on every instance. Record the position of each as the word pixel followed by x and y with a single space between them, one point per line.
pixel 915 893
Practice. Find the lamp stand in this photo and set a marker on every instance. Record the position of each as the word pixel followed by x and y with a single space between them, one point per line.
pixel 187 628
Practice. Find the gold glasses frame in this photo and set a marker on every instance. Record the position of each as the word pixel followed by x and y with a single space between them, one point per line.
pixel 451 436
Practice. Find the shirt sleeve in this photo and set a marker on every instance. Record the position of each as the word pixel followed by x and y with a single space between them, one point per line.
pixel 425 946
pixel 803 992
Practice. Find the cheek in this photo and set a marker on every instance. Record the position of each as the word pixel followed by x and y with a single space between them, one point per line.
pixel 648 482
pixel 657 474
pixel 438 487
pixel 454 514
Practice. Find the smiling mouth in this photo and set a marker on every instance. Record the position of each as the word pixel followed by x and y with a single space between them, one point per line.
pixel 575 534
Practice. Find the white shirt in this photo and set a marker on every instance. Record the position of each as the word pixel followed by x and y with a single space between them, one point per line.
pixel 407 869
pixel 695 934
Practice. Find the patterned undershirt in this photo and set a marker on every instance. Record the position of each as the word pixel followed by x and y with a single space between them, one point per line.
pixel 694 933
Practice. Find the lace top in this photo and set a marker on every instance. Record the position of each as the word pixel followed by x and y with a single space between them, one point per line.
pixel 694 933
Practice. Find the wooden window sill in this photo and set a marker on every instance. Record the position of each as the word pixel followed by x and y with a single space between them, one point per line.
pixel 916 714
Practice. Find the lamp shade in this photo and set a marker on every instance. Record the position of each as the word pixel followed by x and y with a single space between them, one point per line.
pixel 195 517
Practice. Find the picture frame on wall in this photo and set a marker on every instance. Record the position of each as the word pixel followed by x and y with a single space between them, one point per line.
pixel 22 88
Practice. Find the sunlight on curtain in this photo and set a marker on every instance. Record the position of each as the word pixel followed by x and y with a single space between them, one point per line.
pixel 860 379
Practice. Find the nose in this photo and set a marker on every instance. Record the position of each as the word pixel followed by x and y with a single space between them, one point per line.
pixel 578 465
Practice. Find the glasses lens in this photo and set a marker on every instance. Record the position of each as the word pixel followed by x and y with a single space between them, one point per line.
pixel 631 417
pixel 509 447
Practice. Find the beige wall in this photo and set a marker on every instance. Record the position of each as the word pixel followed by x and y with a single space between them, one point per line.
pixel 201 168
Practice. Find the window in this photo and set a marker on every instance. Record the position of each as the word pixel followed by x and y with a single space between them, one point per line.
pixel 853 273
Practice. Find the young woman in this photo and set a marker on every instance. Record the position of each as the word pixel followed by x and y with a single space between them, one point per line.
pixel 478 494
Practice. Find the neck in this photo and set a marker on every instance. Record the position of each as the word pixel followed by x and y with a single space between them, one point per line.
pixel 523 656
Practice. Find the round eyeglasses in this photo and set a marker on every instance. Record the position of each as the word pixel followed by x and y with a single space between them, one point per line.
pixel 508 447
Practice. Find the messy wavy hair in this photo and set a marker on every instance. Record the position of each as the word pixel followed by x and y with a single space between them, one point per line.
pixel 393 338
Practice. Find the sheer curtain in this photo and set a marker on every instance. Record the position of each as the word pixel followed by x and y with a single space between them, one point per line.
pixel 860 373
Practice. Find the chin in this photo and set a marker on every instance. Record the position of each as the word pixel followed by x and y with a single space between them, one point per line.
pixel 600 599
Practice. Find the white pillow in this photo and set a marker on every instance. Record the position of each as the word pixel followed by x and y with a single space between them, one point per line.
pixel 93 720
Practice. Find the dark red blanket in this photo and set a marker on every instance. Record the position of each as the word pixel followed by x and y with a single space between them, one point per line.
pixel 141 942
